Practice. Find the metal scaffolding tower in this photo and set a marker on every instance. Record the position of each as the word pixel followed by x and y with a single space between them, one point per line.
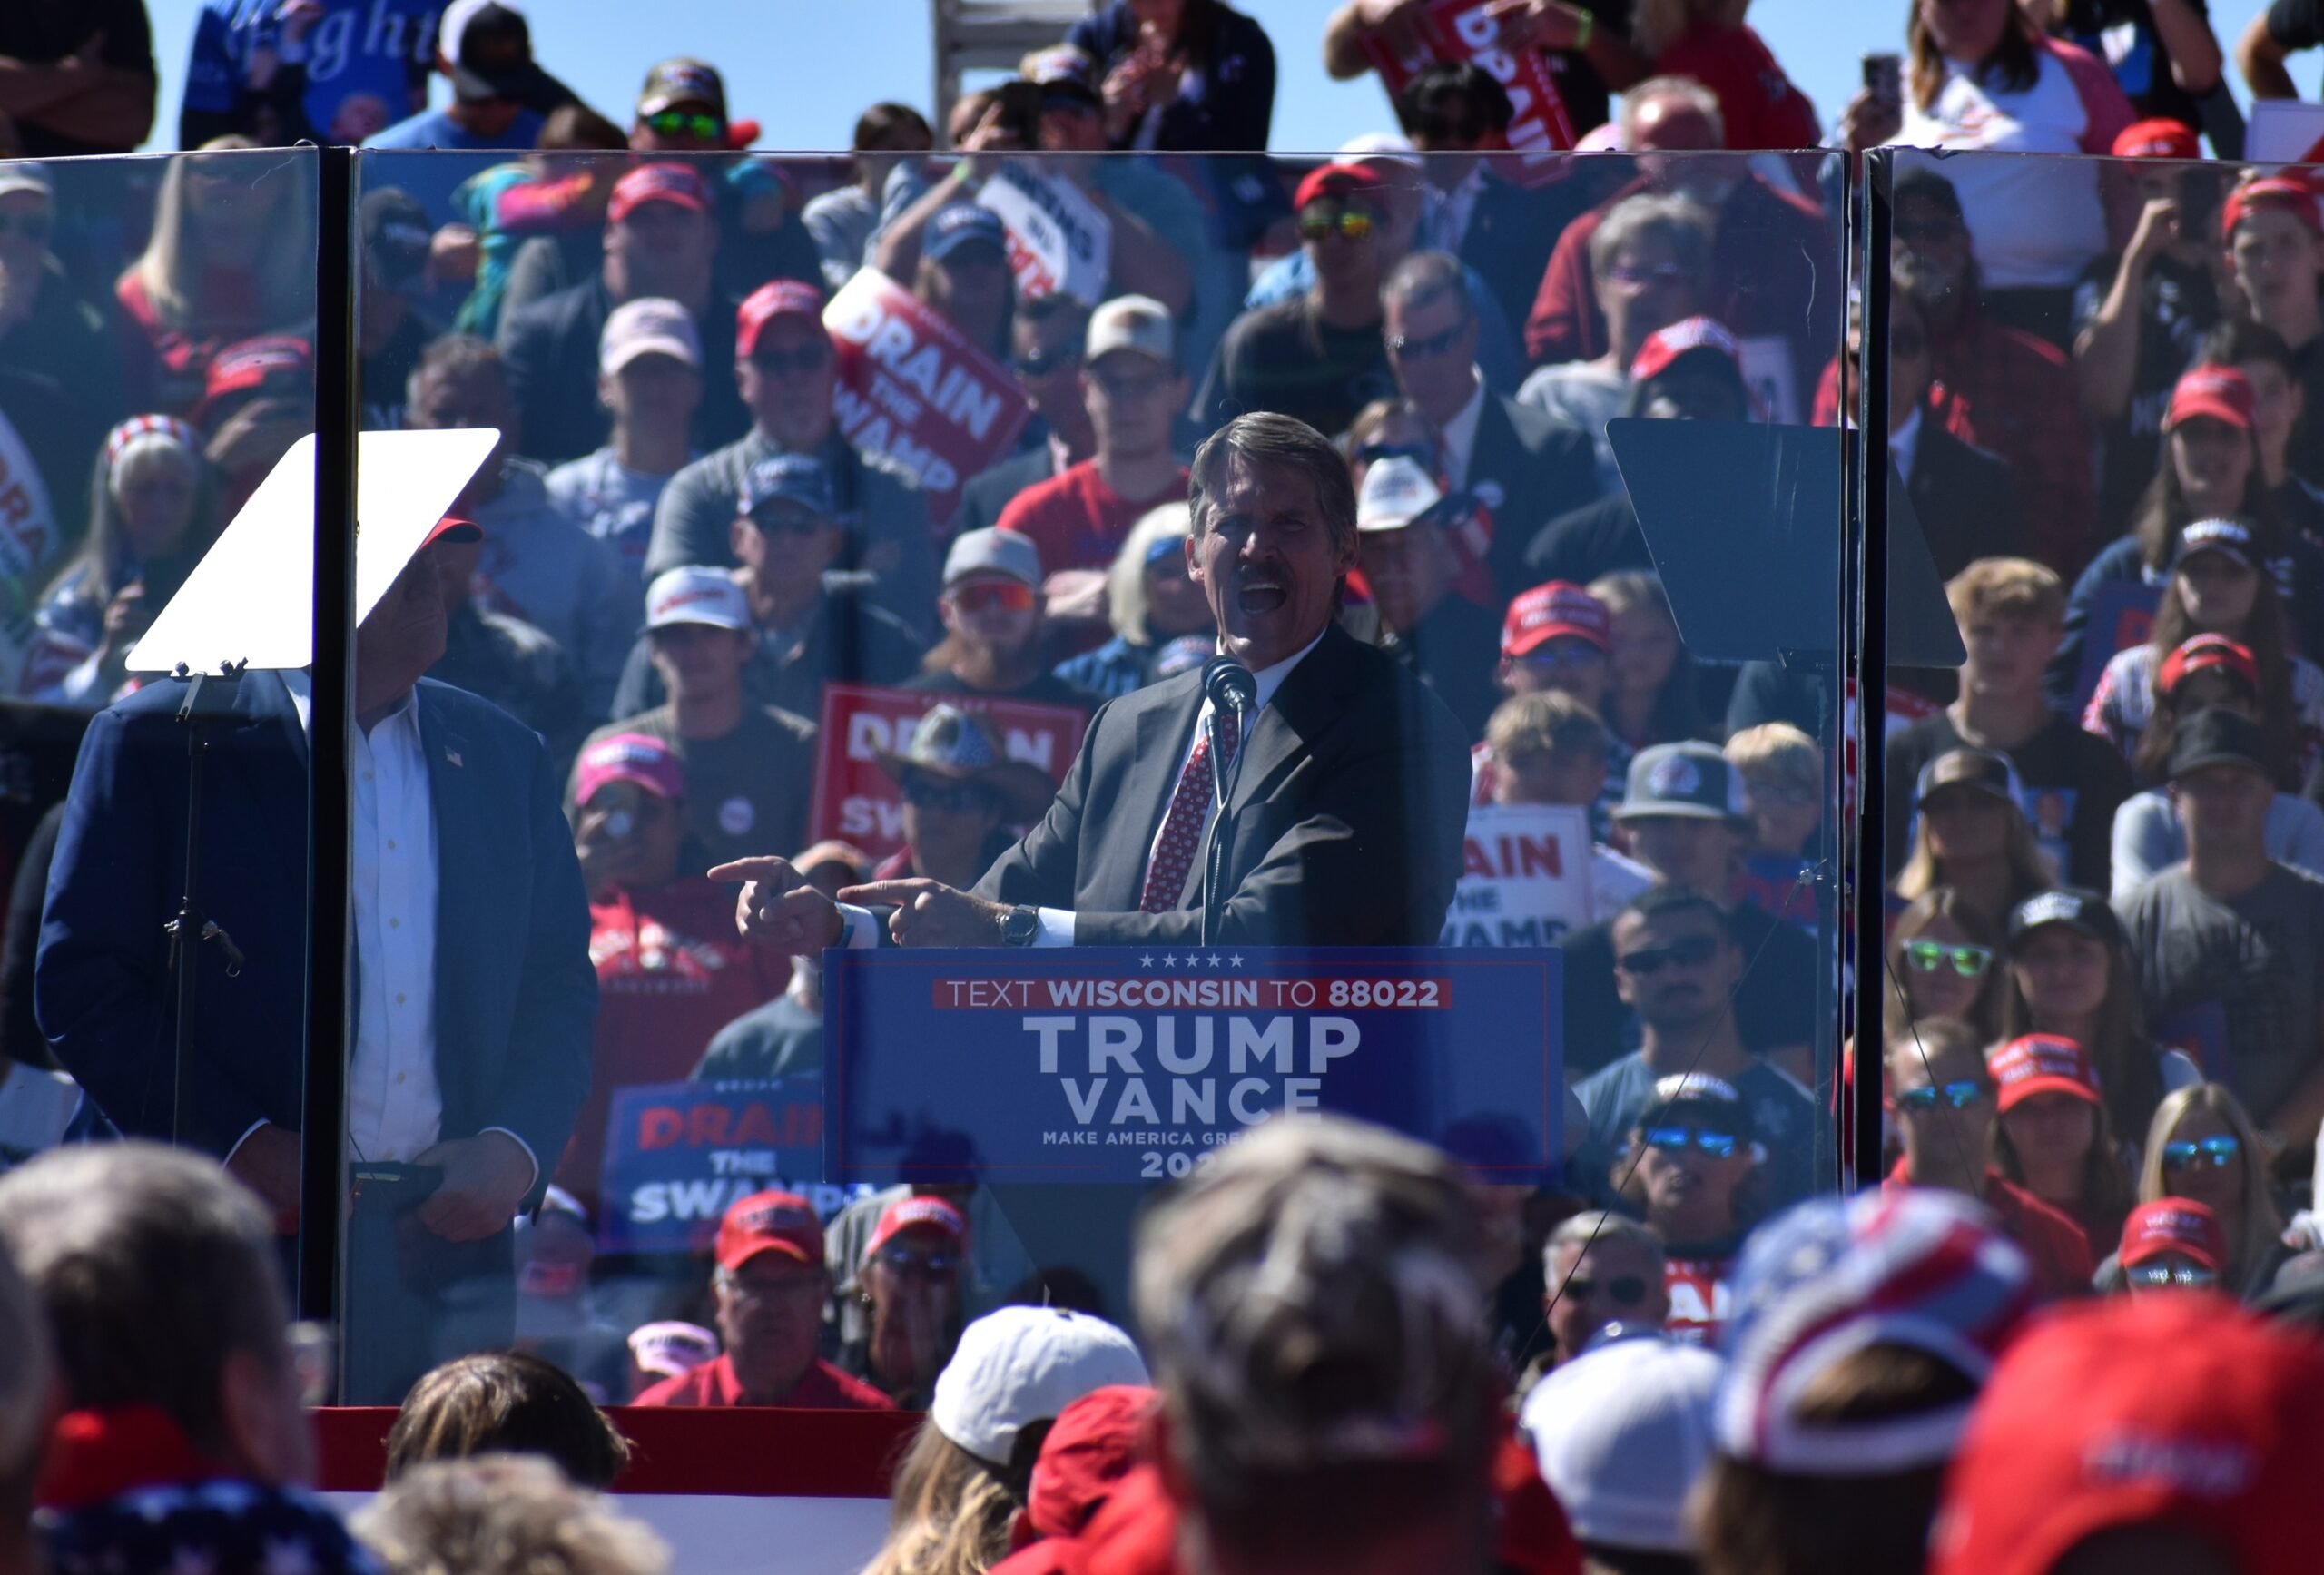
pixel 990 35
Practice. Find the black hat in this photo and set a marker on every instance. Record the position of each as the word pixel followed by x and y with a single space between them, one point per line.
pixel 2080 911
pixel 489 45
pixel 1976 768
pixel 396 234
pixel 2216 736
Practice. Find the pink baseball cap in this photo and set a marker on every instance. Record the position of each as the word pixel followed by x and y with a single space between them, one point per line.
pixel 676 184
pixel 629 757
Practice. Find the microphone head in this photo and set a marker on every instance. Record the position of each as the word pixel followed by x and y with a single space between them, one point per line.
pixel 1226 681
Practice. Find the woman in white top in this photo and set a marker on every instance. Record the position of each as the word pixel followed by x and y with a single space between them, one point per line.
pixel 1980 76
pixel 2217 587
pixel 2148 836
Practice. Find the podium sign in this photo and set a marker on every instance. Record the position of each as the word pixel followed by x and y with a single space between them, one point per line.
pixel 1088 1064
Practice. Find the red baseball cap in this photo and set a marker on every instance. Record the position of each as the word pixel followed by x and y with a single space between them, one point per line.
pixel 1665 346
pixel 1337 181
pixel 2157 139
pixel 2221 393
pixel 2275 191
pixel 2184 1412
pixel 1092 1445
pixel 2209 653
pixel 2173 1225
pixel 2042 1064
pixel 1548 611
pixel 282 360
pixel 776 298
pixel 907 1212
pixel 673 183
pixel 769 1222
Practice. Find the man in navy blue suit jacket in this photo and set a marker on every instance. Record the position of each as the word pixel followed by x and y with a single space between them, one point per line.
pixel 507 1048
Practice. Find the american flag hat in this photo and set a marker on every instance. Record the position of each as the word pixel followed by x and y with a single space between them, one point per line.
pixel 1924 1269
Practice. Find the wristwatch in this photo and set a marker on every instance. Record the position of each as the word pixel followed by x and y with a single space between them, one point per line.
pixel 1021 926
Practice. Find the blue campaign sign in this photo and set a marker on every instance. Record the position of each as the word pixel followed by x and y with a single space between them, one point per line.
pixel 1087 1064
pixel 679 1155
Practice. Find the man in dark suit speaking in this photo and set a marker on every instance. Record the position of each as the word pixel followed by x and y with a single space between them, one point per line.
pixel 474 1001
pixel 1347 805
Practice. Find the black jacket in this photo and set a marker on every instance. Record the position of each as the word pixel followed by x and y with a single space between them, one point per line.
pixel 1529 469
pixel 549 348
pixel 1349 808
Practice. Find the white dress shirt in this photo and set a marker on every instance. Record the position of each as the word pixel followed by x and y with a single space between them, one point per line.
pixel 1057 923
pixel 1457 438
pixel 395 1104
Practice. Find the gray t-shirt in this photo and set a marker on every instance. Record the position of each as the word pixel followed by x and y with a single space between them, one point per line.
pixel 746 791
pixel 2149 837
pixel 2235 982
pixel 613 502
pixel 1617 1097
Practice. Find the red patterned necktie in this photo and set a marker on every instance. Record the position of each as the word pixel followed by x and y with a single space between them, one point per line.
pixel 1181 839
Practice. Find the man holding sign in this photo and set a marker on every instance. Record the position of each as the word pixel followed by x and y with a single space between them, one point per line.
pixel 1347 805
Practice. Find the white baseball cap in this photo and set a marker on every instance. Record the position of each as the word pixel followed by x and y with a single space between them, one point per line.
pixel 648 326
pixel 1396 491
pixel 1019 1365
pixel 695 594
pixel 1132 322
pixel 1621 1432
pixel 993 551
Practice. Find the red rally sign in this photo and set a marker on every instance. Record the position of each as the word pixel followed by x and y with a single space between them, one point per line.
pixel 1457 30
pixel 913 387
pixel 855 799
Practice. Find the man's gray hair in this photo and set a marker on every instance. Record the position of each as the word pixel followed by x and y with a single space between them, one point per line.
pixel 1313 1300
pixel 1680 224
pixel 1685 87
pixel 25 1372
pixel 1266 437
pixel 1594 1227
pixel 1424 276
pixel 154 1266
pixel 502 1514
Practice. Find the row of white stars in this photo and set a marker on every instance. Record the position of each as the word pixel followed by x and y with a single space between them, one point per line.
pixel 1170 960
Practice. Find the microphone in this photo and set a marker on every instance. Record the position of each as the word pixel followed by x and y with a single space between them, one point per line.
pixel 1228 685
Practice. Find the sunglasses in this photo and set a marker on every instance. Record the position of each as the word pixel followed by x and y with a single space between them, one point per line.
pixel 1964 1095
pixel 34 227
pixel 1563 654
pixel 1630 273
pixel 679 123
pixel 1624 1290
pixel 905 1261
pixel 1433 345
pixel 1929 956
pixel 1678 1139
pixel 779 363
pixel 1124 390
pixel 1046 363
pixel 1008 596
pixel 2151 1276
pixel 1418 453
pixel 2193 1155
pixel 959 797
pixel 1691 952
pixel 1349 224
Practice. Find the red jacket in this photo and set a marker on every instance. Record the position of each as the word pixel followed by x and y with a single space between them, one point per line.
pixel 1135 1533
pixel 2060 1253
pixel 822 1387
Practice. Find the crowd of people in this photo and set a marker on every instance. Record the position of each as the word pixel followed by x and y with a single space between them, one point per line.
pixel 747 453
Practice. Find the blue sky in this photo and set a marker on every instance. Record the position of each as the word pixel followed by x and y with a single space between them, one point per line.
pixel 804 68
